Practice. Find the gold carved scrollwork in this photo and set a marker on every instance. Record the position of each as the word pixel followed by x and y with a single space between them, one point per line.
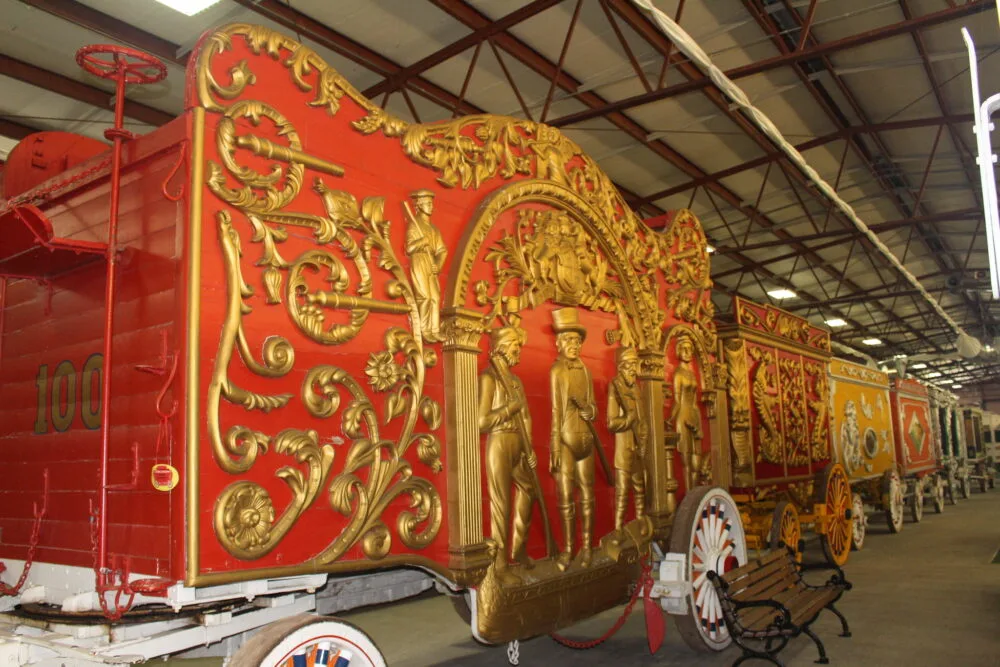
pixel 739 404
pixel 244 514
pixel 765 399
pixel 355 240
pixel 819 438
pixel 793 403
pixel 238 451
pixel 471 150
pixel 301 62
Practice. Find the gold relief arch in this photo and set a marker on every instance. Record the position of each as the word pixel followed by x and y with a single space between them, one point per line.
pixel 463 328
pixel 633 313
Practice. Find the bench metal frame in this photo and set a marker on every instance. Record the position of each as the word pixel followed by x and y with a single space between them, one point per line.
pixel 781 630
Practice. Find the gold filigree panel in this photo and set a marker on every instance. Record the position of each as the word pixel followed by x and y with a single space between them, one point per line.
pixel 325 274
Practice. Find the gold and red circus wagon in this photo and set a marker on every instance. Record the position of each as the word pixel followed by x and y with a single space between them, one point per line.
pixel 779 401
pixel 917 453
pixel 862 431
pixel 341 343
pixel 945 423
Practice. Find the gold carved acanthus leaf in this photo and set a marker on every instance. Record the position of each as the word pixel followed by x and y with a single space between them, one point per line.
pixel 770 438
pixel 793 403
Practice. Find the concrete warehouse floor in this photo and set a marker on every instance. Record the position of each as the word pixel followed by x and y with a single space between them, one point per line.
pixel 927 597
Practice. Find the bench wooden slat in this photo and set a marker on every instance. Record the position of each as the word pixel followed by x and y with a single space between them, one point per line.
pixel 777 568
pixel 753 587
pixel 823 597
pixel 794 599
pixel 752 566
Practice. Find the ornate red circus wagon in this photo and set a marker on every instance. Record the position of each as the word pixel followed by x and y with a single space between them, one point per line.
pixel 288 337
pixel 779 401
pixel 918 453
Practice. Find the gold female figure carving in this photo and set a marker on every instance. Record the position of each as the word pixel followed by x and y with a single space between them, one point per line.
pixel 427 253
pixel 509 459
pixel 685 413
pixel 626 421
pixel 572 443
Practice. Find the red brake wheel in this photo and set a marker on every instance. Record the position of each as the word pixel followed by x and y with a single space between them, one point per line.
pixel 108 61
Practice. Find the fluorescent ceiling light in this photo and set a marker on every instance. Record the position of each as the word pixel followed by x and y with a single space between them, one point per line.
pixel 917 367
pixel 781 294
pixel 872 341
pixel 710 249
pixel 835 322
pixel 188 7
pixel 956 386
pixel 935 374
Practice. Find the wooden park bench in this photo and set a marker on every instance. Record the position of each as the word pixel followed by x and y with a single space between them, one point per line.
pixel 766 603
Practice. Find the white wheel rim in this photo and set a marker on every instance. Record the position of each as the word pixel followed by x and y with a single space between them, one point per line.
pixel 309 645
pixel 918 499
pixel 859 520
pixel 717 534
pixel 897 499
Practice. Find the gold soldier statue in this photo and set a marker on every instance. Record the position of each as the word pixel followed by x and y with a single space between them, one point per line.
pixel 685 413
pixel 572 443
pixel 427 252
pixel 509 459
pixel 626 421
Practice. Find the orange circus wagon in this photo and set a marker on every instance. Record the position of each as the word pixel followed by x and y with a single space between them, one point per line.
pixel 863 439
pixel 783 473
pixel 289 337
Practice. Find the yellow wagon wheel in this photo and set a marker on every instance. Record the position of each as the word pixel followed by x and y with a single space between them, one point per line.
pixel 836 497
pixel 786 531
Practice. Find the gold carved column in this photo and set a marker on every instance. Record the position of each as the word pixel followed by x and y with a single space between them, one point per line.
pixel 462 330
pixel 662 487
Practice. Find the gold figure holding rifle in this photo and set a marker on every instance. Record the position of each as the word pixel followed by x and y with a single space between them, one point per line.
pixel 503 415
pixel 427 254
pixel 572 443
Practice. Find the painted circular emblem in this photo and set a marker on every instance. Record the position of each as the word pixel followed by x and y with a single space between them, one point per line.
pixel 164 477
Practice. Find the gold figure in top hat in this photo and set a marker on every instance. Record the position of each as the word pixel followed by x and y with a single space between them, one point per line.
pixel 572 443
pixel 427 254
pixel 626 421
pixel 685 413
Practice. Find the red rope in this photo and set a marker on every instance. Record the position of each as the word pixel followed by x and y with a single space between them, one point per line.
pixel 644 585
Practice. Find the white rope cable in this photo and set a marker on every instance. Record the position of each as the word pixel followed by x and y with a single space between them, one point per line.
pixel 686 45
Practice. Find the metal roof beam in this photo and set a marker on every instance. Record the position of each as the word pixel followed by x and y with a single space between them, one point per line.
pixel 81 92
pixel 14 130
pixel 477 36
pixel 812 143
pixel 645 28
pixel 326 37
pixel 889 225
pixel 109 26
pixel 827 48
